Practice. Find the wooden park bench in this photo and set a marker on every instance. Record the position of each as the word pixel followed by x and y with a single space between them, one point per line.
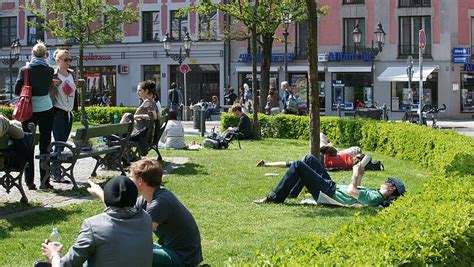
pixel 154 131
pixel 8 180
pixel 110 153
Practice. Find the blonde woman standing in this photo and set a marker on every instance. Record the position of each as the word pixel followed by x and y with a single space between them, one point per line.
pixel 40 76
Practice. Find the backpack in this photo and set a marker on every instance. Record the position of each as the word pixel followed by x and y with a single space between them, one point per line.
pixel 374 166
pixel 218 141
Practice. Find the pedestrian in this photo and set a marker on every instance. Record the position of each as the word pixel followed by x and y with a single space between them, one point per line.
pixel 230 97
pixel 174 98
pixel 40 76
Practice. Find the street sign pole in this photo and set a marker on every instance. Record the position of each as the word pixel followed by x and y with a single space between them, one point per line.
pixel 422 45
pixel 185 99
pixel 410 76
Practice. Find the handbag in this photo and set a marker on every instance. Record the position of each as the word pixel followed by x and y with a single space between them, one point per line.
pixel 24 108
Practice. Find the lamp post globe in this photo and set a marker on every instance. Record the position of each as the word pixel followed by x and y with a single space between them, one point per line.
pixel 379 36
pixel 167 43
pixel 356 35
pixel 16 48
pixel 187 43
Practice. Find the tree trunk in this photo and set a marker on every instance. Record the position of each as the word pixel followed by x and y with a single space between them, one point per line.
pixel 314 115
pixel 256 123
pixel 266 57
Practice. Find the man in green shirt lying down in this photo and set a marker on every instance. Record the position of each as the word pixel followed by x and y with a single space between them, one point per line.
pixel 310 173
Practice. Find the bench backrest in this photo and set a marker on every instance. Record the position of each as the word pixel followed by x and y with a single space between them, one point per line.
pixel 104 130
pixel 4 140
pixel 160 126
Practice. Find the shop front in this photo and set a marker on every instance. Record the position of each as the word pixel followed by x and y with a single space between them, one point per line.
pixel 467 89
pixel 202 81
pixel 300 83
pixel 245 76
pixel 100 81
pixel 351 87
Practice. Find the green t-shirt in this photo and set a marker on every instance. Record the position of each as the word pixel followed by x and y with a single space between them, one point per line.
pixel 367 196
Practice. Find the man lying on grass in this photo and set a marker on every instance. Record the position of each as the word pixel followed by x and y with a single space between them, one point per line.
pixel 310 173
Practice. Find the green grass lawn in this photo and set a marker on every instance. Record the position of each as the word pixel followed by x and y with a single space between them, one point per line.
pixel 218 187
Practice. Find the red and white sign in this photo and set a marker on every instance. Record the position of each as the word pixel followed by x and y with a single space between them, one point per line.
pixel 184 68
pixel 422 39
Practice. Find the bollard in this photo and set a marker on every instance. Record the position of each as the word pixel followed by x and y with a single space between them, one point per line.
pixel 384 112
pixel 203 121
pixel 338 107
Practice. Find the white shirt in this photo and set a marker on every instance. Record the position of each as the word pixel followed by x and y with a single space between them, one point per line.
pixel 63 95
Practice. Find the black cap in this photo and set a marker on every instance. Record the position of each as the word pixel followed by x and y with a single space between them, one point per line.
pixel 398 184
pixel 120 192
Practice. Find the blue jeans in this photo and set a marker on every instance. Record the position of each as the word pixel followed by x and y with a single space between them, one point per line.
pixel 62 125
pixel 310 173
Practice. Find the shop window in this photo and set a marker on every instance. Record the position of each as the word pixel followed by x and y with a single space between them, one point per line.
pixel 351 2
pixel 414 3
pixel 402 97
pixel 179 26
pixel 100 80
pixel 153 72
pixel 208 26
pixel 349 24
pixel 472 35
pixel 35 33
pixel 301 40
pixel 351 90
pixel 467 92
pixel 8 27
pixel 300 84
pixel 202 82
pixel 151 26
pixel 408 37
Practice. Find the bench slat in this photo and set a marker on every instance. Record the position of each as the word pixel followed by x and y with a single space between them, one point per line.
pixel 103 130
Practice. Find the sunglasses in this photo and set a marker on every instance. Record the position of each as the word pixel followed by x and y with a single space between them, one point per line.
pixel 67 59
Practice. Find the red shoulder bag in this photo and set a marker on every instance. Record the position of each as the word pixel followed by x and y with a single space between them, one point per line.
pixel 24 108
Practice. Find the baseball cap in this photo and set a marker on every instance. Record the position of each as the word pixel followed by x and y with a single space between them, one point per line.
pixel 398 184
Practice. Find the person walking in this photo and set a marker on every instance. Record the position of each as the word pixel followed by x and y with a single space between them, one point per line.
pixel 174 98
pixel 40 76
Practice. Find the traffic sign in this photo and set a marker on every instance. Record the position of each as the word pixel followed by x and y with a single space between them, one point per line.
pixel 461 51
pixel 184 68
pixel 422 38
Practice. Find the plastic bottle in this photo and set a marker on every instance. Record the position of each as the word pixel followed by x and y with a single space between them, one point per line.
pixel 116 117
pixel 55 238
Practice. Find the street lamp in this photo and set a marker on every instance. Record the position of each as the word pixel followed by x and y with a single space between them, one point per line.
pixel 286 20
pixel 179 58
pixel 374 50
pixel 15 50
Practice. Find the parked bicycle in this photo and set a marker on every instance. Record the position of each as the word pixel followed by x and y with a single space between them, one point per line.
pixel 433 111
pixel 428 112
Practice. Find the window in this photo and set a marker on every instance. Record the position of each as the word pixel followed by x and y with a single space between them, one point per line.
pixel 409 27
pixel 35 33
pixel 467 92
pixel 153 72
pixel 208 26
pixel 350 89
pixel 7 31
pixel 472 35
pixel 302 40
pixel 403 97
pixel 349 46
pixel 414 3
pixel 151 26
pixel 179 26
pixel 351 2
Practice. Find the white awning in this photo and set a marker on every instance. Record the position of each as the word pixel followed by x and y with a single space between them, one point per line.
pixel 249 69
pixel 350 69
pixel 302 68
pixel 399 74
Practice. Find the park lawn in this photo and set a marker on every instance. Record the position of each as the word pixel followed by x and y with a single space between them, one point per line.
pixel 218 187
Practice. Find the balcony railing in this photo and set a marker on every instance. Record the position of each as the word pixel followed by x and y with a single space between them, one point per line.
pixel 352 2
pixel 414 3
pixel 412 50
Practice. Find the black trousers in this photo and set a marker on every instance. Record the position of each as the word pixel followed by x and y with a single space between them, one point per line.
pixel 44 121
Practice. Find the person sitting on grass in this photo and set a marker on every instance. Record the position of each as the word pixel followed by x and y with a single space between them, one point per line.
pixel 120 236
pixel 310 173
pixel 244 129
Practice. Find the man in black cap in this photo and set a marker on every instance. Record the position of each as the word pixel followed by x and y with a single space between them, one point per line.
pixel 120 236
pixel 310 173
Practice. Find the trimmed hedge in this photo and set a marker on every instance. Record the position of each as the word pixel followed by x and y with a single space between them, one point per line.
pixel 434 226
pixel 95 114
pixel 444 152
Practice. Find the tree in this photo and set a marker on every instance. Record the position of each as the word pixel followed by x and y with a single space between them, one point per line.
pixel 86 22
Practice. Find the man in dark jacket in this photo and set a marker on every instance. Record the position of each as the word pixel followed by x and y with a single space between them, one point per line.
pixel 244 129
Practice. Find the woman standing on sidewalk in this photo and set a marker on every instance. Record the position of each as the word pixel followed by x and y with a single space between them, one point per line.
pixel 40 76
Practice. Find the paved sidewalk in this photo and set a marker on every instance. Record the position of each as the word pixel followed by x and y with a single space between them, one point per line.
pixel 463 127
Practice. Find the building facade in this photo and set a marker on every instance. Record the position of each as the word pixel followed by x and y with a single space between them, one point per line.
pixel 346 75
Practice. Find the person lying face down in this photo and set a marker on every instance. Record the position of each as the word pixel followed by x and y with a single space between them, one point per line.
pixel 311 174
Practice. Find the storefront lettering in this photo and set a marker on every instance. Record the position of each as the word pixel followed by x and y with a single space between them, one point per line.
pixel 97 57
pixel 341 56
pixel 279 57
pixel 468 67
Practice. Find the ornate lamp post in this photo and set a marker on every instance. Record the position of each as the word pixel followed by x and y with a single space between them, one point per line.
pixel 179 58
pixel 286 20
pixel 374 50
pixel 14 56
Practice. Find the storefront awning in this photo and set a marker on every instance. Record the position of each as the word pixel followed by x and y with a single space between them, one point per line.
pixel 249 69
pixel 302 68
pixel 399 74
pixel 350 69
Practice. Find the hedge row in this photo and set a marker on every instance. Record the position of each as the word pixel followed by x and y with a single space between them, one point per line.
pixel 444 152
pixel 434 226
pixel 95 115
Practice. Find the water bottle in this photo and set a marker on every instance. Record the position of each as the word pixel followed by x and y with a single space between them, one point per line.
pixel 116 117
pixel 55 238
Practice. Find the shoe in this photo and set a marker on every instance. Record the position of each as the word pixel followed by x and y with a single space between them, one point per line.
pixel 31 186
pixel 46 186
pixel 62 181
pixel 260 164
pixel 266 200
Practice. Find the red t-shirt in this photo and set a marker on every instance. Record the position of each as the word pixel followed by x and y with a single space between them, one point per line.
pixel 340 161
